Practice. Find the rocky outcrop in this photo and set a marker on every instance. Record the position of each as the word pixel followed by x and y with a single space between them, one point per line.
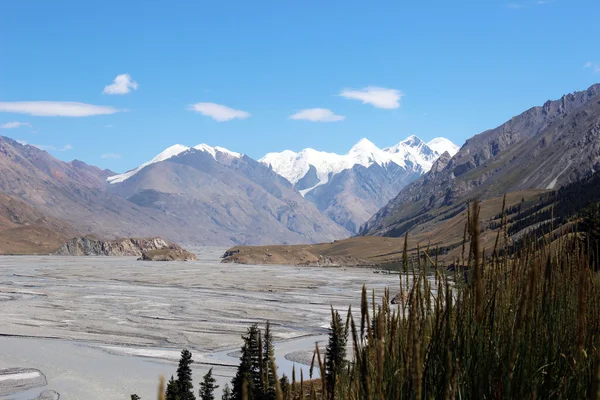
pixel 170 254
pixel 83 246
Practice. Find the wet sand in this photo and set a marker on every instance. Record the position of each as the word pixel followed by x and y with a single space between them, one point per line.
pixel 126 321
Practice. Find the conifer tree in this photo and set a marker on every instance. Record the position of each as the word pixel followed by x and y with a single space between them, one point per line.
pixel 184 377
pixel 284 384
pixel 172 390
pixel 135 397
pixel 335 354
pixel 269 391
pixel 226 393
pixel 248 373
pixel 207 386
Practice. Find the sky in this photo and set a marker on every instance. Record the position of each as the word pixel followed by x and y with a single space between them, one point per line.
pixel 113 83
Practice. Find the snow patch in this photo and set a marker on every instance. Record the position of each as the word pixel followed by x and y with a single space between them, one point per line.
pixel 440 145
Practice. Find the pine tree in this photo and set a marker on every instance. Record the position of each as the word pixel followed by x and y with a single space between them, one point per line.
pixel 269 391
pixel 248 372
pixel 590 228
pixel 335 354
pixel 184 377
pixel 207 386
pixel 284 384
pixel 172 390
pixel 226 393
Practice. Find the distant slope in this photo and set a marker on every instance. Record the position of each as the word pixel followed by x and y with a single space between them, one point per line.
pixel 543 148
pixel 222 197
pixel 24 230
pixel 350 188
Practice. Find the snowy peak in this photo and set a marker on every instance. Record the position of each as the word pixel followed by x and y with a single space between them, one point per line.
pixel 410 154
pixel 218 153
pixel 162 156
pixel 441 145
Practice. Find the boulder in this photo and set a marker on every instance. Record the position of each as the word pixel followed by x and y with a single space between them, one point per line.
pixel 167 255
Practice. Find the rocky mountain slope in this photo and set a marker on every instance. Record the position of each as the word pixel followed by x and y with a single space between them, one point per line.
pixel 201 199
pixel 543 148
pixel 224 197
pixel 350 188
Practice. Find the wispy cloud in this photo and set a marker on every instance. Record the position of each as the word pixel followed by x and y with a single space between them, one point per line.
pixel 594 66
pixel 376 96
pixel 121 85
pixel 317 115
pixel 15 124
pixel 110 156
pixel 44 147
pixel 66 147
pixel 219 112
pixel 528 4
pixel 109 126
pixel 55 108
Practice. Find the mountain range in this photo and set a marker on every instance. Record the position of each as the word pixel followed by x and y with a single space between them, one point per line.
pixel 206 195
pixel 199 195
pixel 350 188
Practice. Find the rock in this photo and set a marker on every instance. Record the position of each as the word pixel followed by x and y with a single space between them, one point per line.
pixel 48 395
pixel 83 246
pixel 397 299
pixel 178 254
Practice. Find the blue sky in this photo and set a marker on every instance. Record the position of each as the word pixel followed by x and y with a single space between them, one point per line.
pixel 381 70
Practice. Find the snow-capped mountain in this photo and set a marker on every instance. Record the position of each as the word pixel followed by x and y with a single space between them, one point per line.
pixel 441 145
pixel 411 153
pixel 350 187
pixel 173 151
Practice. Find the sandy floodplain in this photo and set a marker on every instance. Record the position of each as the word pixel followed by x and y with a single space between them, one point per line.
pixel 103 328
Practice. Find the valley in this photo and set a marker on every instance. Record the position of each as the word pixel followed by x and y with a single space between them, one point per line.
pixel 123 318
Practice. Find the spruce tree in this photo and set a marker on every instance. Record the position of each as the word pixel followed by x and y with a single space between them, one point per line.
pixel 248 372
pixel 284 384
pixel 172 390
pixel 184 377
pixel 269 391
pixel 207 386
pixel 226 393
pixel 335 354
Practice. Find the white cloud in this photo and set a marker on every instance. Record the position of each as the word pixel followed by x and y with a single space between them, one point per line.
pixel 121 85
pixel 377 96
pixel 317 115
pixel 595 67
pixel 112 156
pixel 218 112
pixel 55 108
pixel 44 147
pixel 66 147
pixel 15 124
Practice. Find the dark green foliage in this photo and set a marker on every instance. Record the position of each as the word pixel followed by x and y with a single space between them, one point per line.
pixel 184 377
pixel 172 390
pixel 284 384
pixel 269 376
pixel 135 397
pixel 335 355
pixel 248 373
pixel 226 393
pixel 208 387
pixel 590 228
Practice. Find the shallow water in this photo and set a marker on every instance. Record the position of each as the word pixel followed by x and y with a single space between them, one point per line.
pixel 104 328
